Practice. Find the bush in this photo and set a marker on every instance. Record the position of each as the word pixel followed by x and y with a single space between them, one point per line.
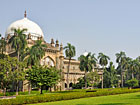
pixel 20 100
pixel 8 94
pixel 132 83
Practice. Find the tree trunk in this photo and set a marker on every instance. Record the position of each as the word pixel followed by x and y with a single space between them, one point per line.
pixel 41 92
pixel 18 55
pixel 2 51
pixel 4 91
pixel 68 74
pixel 17 81
pixel 121 79
pixel 17 89
pixel 92 84
pixel 85 79
pixel 103 78
pixel 29 87
pixel 102 81
pixel 132 75
pixel 50 89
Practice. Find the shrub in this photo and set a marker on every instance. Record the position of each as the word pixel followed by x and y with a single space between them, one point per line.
pixel 20 100
pixel 132 83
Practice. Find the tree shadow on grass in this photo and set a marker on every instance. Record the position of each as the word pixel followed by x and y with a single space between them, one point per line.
pixel 105 104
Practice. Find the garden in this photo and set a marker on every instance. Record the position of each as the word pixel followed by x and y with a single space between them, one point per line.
pixel 35 97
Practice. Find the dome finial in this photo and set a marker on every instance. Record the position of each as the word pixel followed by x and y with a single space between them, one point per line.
pixel 25 14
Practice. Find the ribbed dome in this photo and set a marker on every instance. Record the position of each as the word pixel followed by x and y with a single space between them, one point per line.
pixel 32 28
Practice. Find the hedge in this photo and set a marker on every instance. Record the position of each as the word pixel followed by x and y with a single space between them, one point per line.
pixel 20 100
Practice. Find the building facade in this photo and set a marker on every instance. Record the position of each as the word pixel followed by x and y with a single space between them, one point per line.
pixel 54 55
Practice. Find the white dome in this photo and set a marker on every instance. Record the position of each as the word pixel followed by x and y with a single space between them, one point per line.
pixel 32 28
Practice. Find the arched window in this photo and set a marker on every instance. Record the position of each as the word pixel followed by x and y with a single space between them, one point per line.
pixel 48 61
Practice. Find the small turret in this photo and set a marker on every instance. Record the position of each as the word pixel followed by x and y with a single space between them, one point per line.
pixel 61 48
pixel 57 43
pixel 52 42
pixel 41 38
pixel 25 15
pixel 29 36
pixel 38 38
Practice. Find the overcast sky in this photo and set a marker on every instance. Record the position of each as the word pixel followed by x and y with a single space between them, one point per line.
pixel 107 26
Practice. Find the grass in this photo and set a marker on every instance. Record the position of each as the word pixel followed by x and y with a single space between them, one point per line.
pixel 122 99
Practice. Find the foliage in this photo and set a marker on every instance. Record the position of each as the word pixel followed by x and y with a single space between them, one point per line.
pixel 86 64
pixel 134 67
pixel 63 96
pixel 80 84
pixel 18 41
pixel 124 99
pixel 35 53
pixel 70 51
pixel 132 83
pixel 93 78
pixel 40 76
pixel 103 59
pixel 110 76
pixel 122 64
pixel 10 70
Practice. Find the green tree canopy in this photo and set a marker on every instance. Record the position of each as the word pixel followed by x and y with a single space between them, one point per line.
pixel 93 78
pixel 10 70
pixel 35 53
pixel 86 64
pixel 18 41
pixel 132 83
pixel 40 76
pixel 110 76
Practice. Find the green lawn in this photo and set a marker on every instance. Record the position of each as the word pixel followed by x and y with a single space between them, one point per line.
pixel 122 99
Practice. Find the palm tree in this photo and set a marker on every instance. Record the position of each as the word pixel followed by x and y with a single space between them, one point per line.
pixel 35 53
pixel 120 59
pixel 86 64
pixel 70 52
pixel 2 45
pixel 18 41
pixel 134 67
pixel 103 61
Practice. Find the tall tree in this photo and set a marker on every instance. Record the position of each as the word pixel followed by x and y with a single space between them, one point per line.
pixel 120 59
pixel 18 41
pixel 103 61
pixel 86 64
pixel 70 52
pixel 134 67
pixel 110 76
